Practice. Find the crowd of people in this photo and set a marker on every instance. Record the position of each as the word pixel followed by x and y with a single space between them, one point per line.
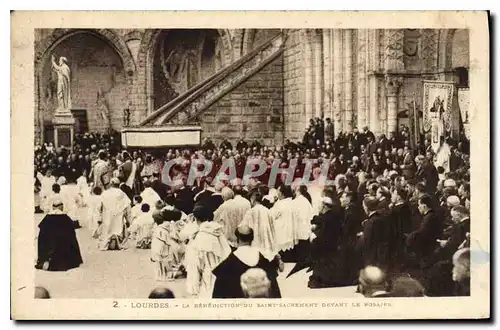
pixel 395 221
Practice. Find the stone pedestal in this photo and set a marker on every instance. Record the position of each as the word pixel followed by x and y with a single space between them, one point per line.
pixel 64 130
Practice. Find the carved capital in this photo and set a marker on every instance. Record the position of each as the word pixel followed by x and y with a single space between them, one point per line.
pixel 393 83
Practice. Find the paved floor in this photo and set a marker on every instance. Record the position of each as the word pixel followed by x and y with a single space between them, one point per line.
pixel 129 274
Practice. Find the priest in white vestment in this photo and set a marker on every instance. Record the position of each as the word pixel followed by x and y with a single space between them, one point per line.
pixel 100 171
pixel 230 214
pixel 259 219
pixel 442 157
pixel 115 215
pixel 303 213
pixel 71 198
pixel 207 248
pixel 282 214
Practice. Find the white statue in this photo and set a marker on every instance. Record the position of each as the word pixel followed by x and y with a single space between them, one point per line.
pixel 63 84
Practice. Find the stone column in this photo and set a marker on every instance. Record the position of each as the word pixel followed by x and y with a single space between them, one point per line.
pixel 373 80
pixel 392 84
pixel 318 73
pixel 308 82
pixel 361 83
pixel 327 71
pixel 337 79
pixel 348 124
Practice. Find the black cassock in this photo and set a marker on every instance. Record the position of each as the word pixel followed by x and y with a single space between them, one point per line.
pixel 228 274
pixel 324 258
pixel 57 243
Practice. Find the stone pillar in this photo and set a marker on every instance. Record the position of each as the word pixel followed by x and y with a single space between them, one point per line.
pixel 361 83
pixel 337 79
pixel 318 73
pixel 348 124
pixel 308 82
pixel 373 80
pixel 392 84
pixel 327 73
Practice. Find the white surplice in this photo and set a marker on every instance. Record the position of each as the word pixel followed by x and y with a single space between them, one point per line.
pixel 303 214
pixel 46 183
pixel 83 189
pixel 71 199
pixel 203 253
pixel 230 214
pixel 116 211
pixel 316 192
pixel 283 222
pixel 259 219
pixel 94 213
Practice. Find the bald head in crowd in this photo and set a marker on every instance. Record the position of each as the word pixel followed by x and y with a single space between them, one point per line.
pixel 459 213
pixel 372 279
pixel 41 293
pixel 161 293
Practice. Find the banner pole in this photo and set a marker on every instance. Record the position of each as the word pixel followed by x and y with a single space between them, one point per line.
pixel 415 122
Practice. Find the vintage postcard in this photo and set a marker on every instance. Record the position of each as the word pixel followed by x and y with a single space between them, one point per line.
pixel 250 165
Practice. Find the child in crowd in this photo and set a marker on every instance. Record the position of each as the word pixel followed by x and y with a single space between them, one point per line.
pixel 55 195
pixel 142 228
pixel 136 209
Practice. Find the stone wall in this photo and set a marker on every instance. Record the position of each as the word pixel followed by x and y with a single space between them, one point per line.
pixel 254 110
pixel 293 84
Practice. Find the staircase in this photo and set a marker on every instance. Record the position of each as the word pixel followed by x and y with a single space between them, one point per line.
pixel 185 109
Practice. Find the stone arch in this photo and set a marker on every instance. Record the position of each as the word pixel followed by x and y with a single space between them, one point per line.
pixel 145 61
pixel 150 39
pixel 132 35
pixel 108 35
pixel 445 48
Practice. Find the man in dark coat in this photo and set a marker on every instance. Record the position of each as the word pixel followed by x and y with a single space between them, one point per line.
pixel 367 133
pixel 383 143
pixel 184 199
pixel 209 145
pixel 375 236
pixel 228 272
pixel 159 187
pixel 427 173
pixel 401 225
pixel 327 227
pixel 241 145
pixel 457 234
pixel 423 240
pixel 58 248
pixel 371 146
pixel 351 226
pixel 226 145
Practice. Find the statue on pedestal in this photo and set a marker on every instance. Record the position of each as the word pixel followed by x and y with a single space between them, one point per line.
pixel 63 84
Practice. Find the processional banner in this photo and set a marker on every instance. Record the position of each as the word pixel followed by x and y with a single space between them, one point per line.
pixel 437 110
